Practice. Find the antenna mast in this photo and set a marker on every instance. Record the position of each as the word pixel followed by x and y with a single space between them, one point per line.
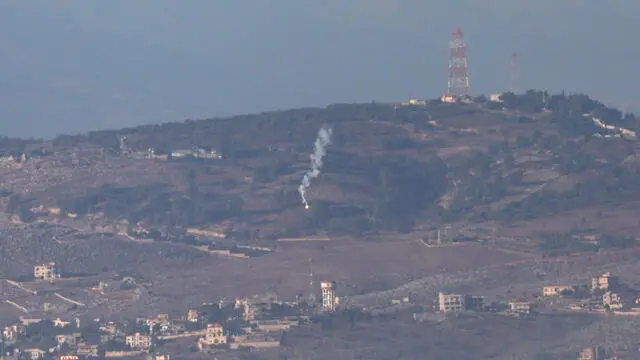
pixel 458 82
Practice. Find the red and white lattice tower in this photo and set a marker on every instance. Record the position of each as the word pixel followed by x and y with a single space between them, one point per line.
pixel 458 72
pixel 513 73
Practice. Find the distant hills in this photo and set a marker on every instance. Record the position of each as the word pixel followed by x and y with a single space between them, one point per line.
pixel 392 168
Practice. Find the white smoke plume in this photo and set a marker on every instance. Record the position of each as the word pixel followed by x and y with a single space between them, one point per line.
pixel 323 139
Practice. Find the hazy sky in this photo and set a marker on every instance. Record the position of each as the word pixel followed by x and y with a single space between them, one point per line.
pixel 69 66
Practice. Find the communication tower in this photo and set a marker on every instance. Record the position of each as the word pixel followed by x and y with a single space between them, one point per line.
pixel 458 71
pixel 328 296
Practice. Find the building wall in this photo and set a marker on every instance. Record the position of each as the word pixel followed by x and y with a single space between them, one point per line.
pixel 45 271
pixel 555 290
pixel 450 302
pixel 138 341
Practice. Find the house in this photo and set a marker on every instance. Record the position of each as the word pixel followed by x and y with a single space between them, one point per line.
pixel 61 323
pixel 35 353
pixel 450 302
pixel 556 290
pixel 604 282
pixel 193 316
pixel 496 98
pixel 138 341
pixel 612 301
pixel 48 271
pixel 519 307
pixel 13 332
pixel 213 337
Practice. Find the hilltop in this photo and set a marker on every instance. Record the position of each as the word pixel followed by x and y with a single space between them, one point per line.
pixel 390 168
pixel 209 209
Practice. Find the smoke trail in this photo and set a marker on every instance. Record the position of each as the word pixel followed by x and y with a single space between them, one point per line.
pixel 323 139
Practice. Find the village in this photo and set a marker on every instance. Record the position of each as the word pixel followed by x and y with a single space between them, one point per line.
pixel 244 323
pixel 605 295
pixel 258 322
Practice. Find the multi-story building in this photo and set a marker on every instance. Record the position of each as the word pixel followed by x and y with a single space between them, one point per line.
pixel 604 282
pixel 48 271
pixel 329 299
pixel 214 336
pixel 521 307
pixel 138 341
pixel 555 290
pixel 450 302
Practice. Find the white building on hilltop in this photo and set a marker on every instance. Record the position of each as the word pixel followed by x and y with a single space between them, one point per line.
pixel 48 271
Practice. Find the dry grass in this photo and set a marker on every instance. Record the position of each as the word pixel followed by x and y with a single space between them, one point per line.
pixel 357 267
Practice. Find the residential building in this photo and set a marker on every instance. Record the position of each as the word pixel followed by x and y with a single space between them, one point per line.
pixel 519 307
pixel 329 299
pixel 252 310
pixel 214 336
pixel 48 271
pixel 138 341
pixel 69 339
pixel 35 353
pixel 612 300
pixel 591 353
pixel 605 282
pixel 555 290
pixel 193 316
pixel 13 332
pixel 450 302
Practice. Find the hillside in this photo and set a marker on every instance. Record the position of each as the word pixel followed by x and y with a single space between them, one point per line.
pixel 523 192
pixel 390 168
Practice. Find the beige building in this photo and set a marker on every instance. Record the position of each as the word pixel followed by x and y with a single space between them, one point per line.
pixel 213 337
pixel 450 302
pixel 612 300
pixel 591 353
pixel 138 341
pixel 555 290
pixel 604 282
pixel 13 332
pixel 193 316
pixel 48 271
pixel 520 307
